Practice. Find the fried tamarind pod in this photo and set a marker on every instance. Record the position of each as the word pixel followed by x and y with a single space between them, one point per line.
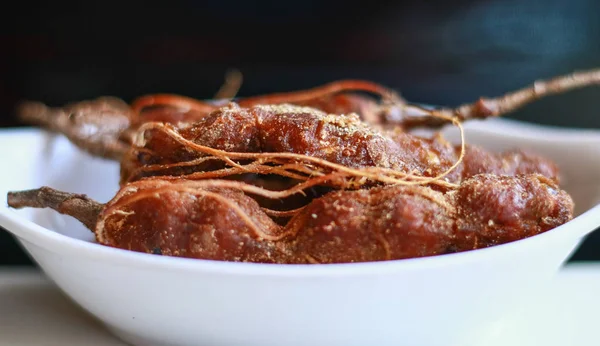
pixel 341 139
pixel 204 220
pixel 397 222
pixel 277 128
pixel 170 218
pixel 281 129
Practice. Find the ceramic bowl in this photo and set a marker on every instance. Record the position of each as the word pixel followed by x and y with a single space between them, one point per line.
pixel 144 299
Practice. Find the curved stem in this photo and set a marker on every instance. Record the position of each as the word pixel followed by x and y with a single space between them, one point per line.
pixel 233 82
pixel 81 207
pixel 492 107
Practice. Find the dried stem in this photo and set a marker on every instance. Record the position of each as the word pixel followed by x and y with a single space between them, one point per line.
pixel 81 207
pixel 233 82
pixel 94 126
pixel 231 86
pixel 414 116
pixel 37 113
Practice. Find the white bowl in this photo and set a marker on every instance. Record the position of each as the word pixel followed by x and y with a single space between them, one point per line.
pixel 145 299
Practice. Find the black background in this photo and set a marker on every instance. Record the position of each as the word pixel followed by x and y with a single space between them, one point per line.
pixel 439 52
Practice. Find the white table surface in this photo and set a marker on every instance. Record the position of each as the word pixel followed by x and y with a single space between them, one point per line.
pixel 34 312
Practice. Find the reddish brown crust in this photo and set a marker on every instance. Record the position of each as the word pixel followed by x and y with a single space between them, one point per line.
pixel 374 225
pixel 217 224
pixel 513 162
pixel 498 209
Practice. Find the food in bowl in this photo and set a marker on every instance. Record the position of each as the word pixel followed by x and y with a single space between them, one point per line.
pixel 280 179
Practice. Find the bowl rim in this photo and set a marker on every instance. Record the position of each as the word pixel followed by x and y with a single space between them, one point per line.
pixel 25 229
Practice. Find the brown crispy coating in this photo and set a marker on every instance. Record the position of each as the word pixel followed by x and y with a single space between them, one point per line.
pixel 174 220
pixel 513 162
pixel 366 107
pixel 499 209
pixel 374 225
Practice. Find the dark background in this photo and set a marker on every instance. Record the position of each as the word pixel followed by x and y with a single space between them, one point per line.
pixel 439 52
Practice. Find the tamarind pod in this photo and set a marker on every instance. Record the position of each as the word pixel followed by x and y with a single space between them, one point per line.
pixel 204 220
pixel 340 139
